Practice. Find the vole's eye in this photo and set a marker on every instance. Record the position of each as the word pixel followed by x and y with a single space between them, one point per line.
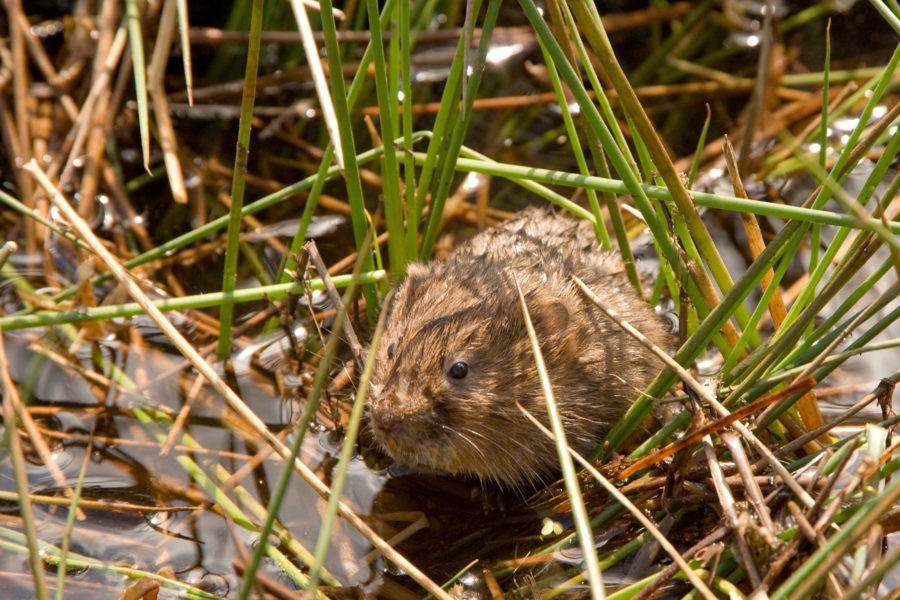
pixel 458 370
pixel 391 350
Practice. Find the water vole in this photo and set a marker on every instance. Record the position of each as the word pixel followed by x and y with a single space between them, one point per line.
pixel 455 356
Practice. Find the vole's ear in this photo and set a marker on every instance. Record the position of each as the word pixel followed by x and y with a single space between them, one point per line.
pixel 411 289
pixel 552 324
pixel 550 317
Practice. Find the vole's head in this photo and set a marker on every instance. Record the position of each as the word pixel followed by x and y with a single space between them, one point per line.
pixel 453 361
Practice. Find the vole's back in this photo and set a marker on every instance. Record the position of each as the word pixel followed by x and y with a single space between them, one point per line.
pixel 455 363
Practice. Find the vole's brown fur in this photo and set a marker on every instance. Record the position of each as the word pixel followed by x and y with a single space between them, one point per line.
pixel 465 310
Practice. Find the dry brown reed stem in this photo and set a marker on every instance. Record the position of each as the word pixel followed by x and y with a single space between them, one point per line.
pixel 93 120
pixel 708 291
pixel 780 119
pixel 751 486
pixel 34 434
pixel 237 332
pixel 729 81
pixel 815 538
pixel 417 522
pixel 612 22
pixel 43 62
pixel 702 393
pixel 871 519
pixel 335 298
pixel 253 463
pixel 80 438
pixel 233 400
pixel 492 584
pixel 755 107
pixel 349 260
pixel 38 346
pixel 670 570
pixel 156 72
pixel 815 122
pixel 865 143
pixel 726 501
pixel 181 419
pixel 21 120
pixel 372 130
pixel 78 133
pixel 106 505
pixel 703 89
pixel 699 472
pixel 634 510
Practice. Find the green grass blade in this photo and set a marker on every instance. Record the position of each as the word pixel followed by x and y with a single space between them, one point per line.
pixel 138 65
pixel 450 147
pixel 239 179
pixel 393 207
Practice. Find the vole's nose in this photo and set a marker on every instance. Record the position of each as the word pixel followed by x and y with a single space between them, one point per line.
pixel 386 420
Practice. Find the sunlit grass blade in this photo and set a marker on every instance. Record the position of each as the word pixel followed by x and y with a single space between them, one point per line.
pixel 573 489
pixel 184 35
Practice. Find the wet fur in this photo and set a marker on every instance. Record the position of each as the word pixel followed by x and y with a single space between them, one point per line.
pixel 465 308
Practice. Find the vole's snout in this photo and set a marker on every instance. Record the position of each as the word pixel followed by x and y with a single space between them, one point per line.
pixel 386 420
